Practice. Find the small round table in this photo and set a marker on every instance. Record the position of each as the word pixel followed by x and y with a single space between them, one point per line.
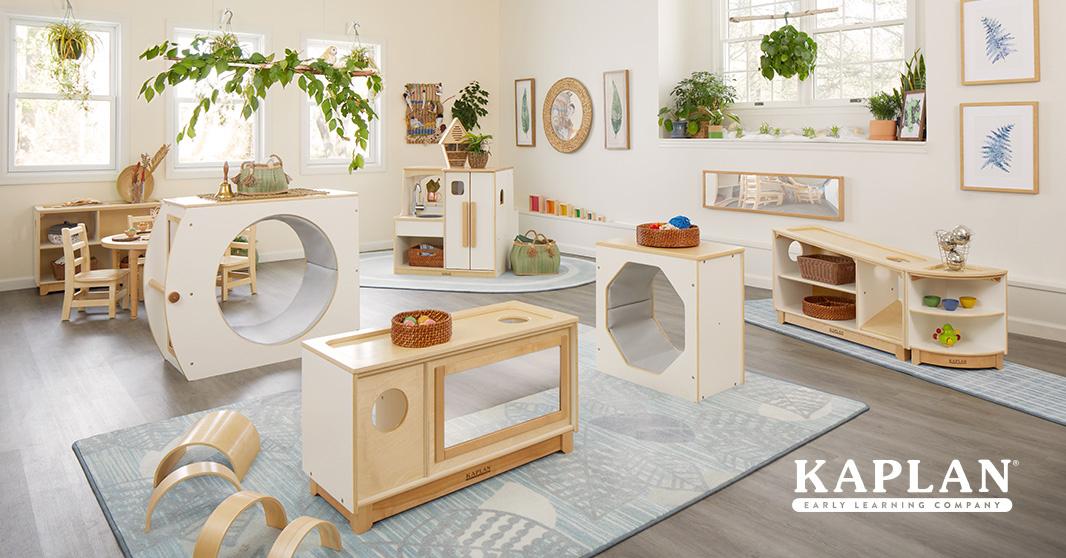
pixel 134 250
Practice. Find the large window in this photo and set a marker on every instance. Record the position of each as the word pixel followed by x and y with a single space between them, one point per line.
pixel 49 133
pixel 323 150
pixel 861 49
pixel 222 134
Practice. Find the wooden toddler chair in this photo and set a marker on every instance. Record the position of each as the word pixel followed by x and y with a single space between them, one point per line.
pixel 234 270
pixel 79 278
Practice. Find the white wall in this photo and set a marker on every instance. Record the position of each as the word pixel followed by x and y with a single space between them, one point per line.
pixel 896 195
pixel 457 43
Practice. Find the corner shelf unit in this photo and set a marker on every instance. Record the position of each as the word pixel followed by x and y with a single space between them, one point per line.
pixel 889 288
pixel 103 219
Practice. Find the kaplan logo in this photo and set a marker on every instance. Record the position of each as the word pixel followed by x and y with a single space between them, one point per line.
pixel 954 480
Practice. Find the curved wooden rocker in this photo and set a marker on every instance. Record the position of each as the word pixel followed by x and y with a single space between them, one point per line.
pixel 214 530
pixel 291 537
pixel 180 474
pixel 226 431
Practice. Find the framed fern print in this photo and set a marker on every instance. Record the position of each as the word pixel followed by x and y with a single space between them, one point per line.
pixel 999 147
pixel 525 128
pixel 1000 41
pixel 616 109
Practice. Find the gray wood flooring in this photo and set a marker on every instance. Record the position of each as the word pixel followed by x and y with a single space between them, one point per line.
pixel 64 381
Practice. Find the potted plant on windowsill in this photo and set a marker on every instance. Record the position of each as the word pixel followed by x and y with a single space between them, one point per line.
pixel 884 109
pixel 477 145
pixel 713 119
pixel 704 97
pixel 674 123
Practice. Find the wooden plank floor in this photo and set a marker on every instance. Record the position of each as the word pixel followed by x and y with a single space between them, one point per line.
pixel 64 381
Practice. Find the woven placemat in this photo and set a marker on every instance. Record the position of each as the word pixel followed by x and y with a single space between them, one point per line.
pixel 125 238
pixel 290 193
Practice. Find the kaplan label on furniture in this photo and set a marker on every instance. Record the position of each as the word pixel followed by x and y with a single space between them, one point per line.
pixel 100 220
pixel 706 354
pixel 889 290
pixel 188 240
pixel 386 428
pixel 471 214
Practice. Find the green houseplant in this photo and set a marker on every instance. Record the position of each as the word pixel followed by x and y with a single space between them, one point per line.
pixel 249 77
pixel 477 145
pixel 702 99
pixel 911 79
pixel 884 109
pixel 787 52
pixel 71 40
pixel 674 122
pixel 72 46
pixel 471 105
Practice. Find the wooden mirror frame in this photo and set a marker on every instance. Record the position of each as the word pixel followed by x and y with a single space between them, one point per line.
pixel 782 192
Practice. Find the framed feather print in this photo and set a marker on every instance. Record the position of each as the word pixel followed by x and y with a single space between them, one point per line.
pixel 616 109
pixel 999 146
pixel 524 124
pixel 1000 41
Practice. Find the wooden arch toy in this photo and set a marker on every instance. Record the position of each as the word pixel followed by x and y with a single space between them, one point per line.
pixel 294 533
pixel 214 530
pixel 189 240
pixel 180 474
pixel 226 431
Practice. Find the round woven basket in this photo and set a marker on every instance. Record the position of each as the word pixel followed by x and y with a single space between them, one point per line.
pixel 829 307
pixel 456 159
pixel 419 336
pixel 669 238
pixel 478 160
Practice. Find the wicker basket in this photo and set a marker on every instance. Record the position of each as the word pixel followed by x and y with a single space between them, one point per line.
pixel 478 160
pixel 829 307
pixel 835 270
pixel 58 269
pixel 669 238
pixel 425 257
pixel 419 336
pixel 457 159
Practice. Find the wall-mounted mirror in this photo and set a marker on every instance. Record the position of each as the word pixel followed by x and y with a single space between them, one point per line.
pixel 798 195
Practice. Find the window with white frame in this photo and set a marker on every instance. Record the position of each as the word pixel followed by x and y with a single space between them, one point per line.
pixel 861 49
pixel 50 132
pixel 222 134
pixel 324 151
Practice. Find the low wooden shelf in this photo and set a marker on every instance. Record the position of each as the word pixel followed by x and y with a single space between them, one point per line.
pixel 889 289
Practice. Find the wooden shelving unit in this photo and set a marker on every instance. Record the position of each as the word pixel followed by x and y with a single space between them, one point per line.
pixel 889 288
pixel 100 220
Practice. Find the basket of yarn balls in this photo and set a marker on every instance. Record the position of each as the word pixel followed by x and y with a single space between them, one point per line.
pixel 421 328
pixel 678 232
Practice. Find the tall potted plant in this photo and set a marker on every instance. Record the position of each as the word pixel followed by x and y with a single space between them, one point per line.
pixel 703 98
pixel 471 105
pixel 885 110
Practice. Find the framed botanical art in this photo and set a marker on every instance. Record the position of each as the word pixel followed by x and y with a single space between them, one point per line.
pixel 567 115
pixel 999 147
pixel 524 115
pixel 912 123
pixel 1000 41
pixel 616 109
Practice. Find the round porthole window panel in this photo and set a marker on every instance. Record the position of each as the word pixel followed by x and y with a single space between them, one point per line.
pixel 389 410
pixel 648 337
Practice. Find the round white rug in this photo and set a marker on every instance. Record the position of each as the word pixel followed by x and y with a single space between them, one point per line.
pixel 375 271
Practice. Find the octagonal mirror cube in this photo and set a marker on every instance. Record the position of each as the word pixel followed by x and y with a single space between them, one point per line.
pixel 647 336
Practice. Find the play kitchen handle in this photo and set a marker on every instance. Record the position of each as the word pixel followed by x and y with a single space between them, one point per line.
pixel 534 254
pixel 469 225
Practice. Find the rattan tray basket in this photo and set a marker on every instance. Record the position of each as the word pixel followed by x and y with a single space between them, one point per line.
pixel 425 257
pixel 829 307
pixel 419 336
pixel 668 238
pixel 834 270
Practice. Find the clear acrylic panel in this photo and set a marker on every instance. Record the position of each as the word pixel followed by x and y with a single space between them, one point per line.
pixel 62 133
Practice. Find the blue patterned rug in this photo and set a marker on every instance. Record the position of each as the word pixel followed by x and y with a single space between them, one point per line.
pixel 639 457
pixel 1035 392
pixel 375 271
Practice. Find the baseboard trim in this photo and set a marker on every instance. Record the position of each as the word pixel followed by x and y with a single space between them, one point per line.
pixel 17 283
pixel 1037 328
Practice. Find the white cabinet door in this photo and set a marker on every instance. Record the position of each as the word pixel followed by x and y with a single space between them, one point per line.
pixel 482 221
pixel 456 220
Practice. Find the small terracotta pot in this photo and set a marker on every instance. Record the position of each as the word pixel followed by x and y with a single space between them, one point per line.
pixel 884 130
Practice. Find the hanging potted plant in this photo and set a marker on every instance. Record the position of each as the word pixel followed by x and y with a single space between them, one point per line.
pixel 884 109
pixel 70 40
pixel 477 145
pixel 787 52
pixel 71 47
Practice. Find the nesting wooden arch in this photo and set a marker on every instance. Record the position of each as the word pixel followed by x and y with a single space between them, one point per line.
pixel 229 432
pixel 184 473
pixel 293 534
pixel 214 530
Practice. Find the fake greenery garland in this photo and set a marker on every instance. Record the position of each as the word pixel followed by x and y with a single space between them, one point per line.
pixel 328 86
pixel 787 52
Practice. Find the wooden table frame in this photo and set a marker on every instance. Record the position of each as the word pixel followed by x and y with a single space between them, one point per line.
pixel 134 249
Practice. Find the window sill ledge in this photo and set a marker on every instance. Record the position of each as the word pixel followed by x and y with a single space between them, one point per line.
pixel 817 144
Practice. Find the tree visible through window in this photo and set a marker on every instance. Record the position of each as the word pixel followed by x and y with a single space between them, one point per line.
pixel 861 48
pixel 50 132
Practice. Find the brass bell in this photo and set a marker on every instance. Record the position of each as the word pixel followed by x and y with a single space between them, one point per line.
pixel 224 190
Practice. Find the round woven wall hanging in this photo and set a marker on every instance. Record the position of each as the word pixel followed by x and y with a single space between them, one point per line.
pixel 567 115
